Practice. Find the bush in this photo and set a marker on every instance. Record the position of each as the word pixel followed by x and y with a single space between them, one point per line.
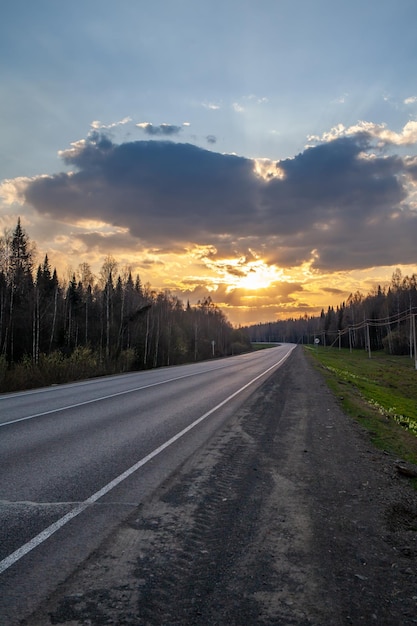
pixel 239 348
pixel 82 363
pixel 125 361
pixel 396 342
pixel 56 368
pixel 3 371
pixel 23 375
pixel 53 368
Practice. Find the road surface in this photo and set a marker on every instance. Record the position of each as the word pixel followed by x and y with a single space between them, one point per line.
pixel 75 460
pixel 286 516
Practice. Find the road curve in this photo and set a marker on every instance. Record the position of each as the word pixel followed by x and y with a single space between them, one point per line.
pixel 75 459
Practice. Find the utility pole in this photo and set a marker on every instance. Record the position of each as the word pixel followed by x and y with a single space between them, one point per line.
pixel 369 340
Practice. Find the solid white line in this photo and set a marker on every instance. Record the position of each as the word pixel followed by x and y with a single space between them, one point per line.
pixel 113 395
pixel 50 530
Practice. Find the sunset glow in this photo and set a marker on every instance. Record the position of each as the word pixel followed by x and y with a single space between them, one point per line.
pixel 266 166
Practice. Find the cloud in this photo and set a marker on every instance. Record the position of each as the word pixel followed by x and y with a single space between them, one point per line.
pixel 97 125
pixel 341 99
pixel 410 100
pixel 369 131
pixel 12 191
pixel 211 105
pixel 342 198
pixel 273 297
pixel 262 100
pixel 163 129
pixel 211 139
pixel 334 291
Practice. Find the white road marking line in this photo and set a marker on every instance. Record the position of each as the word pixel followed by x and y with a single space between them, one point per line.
pixel 90 381
pixel 50 530
pixel 113 395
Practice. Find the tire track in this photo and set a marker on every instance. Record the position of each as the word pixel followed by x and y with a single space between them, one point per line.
pixel 202 559
pixel 286 517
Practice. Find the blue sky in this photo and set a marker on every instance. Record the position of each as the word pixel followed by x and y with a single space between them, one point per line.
pixel 326 91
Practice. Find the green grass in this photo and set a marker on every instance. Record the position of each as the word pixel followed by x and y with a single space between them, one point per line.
pixel 381 393
pixel 263 346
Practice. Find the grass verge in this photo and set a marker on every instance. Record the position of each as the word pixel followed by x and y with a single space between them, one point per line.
pixel 263 346
pixel 380 393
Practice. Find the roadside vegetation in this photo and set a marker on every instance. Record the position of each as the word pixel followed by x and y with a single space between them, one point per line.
pixel 379 392
pixel 262 346
pixel 55 330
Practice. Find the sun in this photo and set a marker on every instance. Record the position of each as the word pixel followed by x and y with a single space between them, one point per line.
pixel 246 273
pixel 254 275
pixel 255 279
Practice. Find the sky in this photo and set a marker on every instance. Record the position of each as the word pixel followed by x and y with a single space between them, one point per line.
pixel 263 153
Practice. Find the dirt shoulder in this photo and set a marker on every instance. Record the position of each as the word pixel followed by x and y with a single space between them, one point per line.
pixel 287 516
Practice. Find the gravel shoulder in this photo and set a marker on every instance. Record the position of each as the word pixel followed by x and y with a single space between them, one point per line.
pixel 287 516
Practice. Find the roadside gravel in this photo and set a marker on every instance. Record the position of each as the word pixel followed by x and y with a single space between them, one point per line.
pixel 287 516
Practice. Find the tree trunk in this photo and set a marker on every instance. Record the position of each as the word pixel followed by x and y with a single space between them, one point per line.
pixel 11 323
pixel 36 328
pixel 155 356
pixel 51 339
pixel 145 353
pixel 108 321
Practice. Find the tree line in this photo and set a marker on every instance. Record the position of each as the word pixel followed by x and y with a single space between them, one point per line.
pixel 92 325
pixel 382 320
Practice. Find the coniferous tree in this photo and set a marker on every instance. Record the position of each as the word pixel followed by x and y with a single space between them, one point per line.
pixel 20 280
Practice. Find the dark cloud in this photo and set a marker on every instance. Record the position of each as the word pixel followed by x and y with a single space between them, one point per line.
pixel 411 164
pixel 166 130
pixel 234 271
pixel 108 244
pixel 160 190
pixel 337 198
pixel 273 296
pixel 211 139
pixel 333 291
pixel 102 142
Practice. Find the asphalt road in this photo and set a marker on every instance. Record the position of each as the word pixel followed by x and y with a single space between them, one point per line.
pixel 287 516
pixel 75 460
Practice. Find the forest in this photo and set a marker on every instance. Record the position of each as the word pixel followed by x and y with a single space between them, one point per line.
pixel 52 331
pixel 382 320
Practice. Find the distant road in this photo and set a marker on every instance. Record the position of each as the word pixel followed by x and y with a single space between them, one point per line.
pixel 76 459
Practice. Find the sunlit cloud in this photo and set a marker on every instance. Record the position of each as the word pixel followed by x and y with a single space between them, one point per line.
pixel 268 170
pixel 380 132
pixel 264 237
pixel 12 190
pixel 97 125
pixel 246 272
pixel 76 148
pixel 162 191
